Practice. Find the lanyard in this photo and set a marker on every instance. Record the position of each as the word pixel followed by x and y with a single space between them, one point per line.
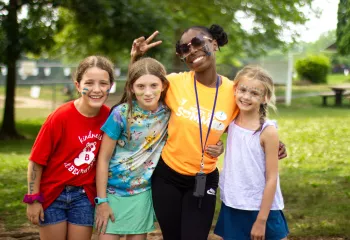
pixel 199 118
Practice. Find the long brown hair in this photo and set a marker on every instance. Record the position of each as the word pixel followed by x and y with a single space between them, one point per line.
pixel 254 72
pixel 136 70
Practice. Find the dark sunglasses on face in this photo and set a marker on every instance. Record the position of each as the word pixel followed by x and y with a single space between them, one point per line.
pixel 197 42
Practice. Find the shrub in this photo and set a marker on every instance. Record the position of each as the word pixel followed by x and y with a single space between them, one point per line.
pixel 313 68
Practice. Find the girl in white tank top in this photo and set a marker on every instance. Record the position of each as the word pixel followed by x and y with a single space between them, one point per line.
pixel 249 183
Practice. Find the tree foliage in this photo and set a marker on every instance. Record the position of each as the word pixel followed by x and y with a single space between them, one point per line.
pixel 25 27
pixel 109 27
pixel 325 40
pixel 36 27
pixel 73 29
pixel 343 27
pixel 104 27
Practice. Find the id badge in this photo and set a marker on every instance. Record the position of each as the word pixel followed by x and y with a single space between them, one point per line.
pixel 199 186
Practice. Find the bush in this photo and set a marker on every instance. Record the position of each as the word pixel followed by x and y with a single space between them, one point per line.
pixel 313 68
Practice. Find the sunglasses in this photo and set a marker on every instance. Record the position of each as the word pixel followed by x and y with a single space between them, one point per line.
pixel 197 42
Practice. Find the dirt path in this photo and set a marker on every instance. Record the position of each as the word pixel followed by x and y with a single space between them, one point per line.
pixel 27 102
pixel 30 232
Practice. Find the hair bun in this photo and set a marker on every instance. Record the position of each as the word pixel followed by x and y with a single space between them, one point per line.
pixel 218 34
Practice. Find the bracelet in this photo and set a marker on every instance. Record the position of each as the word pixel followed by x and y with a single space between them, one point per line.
pixel 31 198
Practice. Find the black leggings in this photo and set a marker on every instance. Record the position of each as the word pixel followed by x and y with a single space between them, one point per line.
pixel 177 210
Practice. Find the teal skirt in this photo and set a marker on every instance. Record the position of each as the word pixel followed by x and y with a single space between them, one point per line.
pixel 133 214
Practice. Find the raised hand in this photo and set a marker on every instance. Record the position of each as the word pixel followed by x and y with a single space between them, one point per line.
pixel 141 45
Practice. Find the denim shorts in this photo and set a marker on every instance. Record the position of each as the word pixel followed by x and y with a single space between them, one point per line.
pixel 73 206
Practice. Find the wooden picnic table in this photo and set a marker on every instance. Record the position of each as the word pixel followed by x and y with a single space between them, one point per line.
pixel 339 90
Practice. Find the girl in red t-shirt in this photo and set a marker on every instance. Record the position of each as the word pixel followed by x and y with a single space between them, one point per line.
pixel 62 166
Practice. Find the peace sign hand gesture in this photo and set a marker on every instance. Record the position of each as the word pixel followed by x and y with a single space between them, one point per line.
pixel 141 45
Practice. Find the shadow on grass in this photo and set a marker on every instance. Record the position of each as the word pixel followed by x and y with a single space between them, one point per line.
pixel 29 129
pixel 317 204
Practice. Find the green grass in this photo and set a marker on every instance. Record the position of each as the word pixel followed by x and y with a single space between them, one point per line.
pixel 338 79
pixel 280 90
pixel 28 114
pixel 13 166
pixel 315 177
pixel 333 79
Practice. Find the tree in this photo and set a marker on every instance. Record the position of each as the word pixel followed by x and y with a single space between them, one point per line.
pixel 325 40
pixel 104 27
pixel 32 34
pixel 343 27
pixel 35 31
pixel 268 20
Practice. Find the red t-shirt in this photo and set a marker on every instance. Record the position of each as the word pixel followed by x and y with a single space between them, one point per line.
pixel 67 146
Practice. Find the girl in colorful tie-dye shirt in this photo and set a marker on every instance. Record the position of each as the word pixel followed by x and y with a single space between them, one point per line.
pixel 134 135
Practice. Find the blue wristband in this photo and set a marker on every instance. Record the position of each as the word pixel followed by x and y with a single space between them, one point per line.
pixel 98 200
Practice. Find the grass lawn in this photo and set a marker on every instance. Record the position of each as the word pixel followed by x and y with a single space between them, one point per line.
pixel 338 78
pixel 315 177
pixel 333 79
pixel 13 166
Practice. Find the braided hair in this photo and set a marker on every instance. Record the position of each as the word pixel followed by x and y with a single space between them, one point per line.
pixel 253 72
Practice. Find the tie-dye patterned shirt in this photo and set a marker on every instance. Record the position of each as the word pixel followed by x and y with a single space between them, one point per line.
pixel 133 161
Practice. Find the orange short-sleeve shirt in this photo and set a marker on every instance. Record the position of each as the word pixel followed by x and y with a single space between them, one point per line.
pixel 182 151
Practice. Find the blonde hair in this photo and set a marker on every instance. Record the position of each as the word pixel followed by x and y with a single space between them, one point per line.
pixel 254 72
pixel 136 70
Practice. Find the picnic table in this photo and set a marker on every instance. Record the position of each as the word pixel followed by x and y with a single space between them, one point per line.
pixel 339 91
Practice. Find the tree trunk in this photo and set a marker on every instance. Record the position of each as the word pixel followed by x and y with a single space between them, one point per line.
pixel 8 128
